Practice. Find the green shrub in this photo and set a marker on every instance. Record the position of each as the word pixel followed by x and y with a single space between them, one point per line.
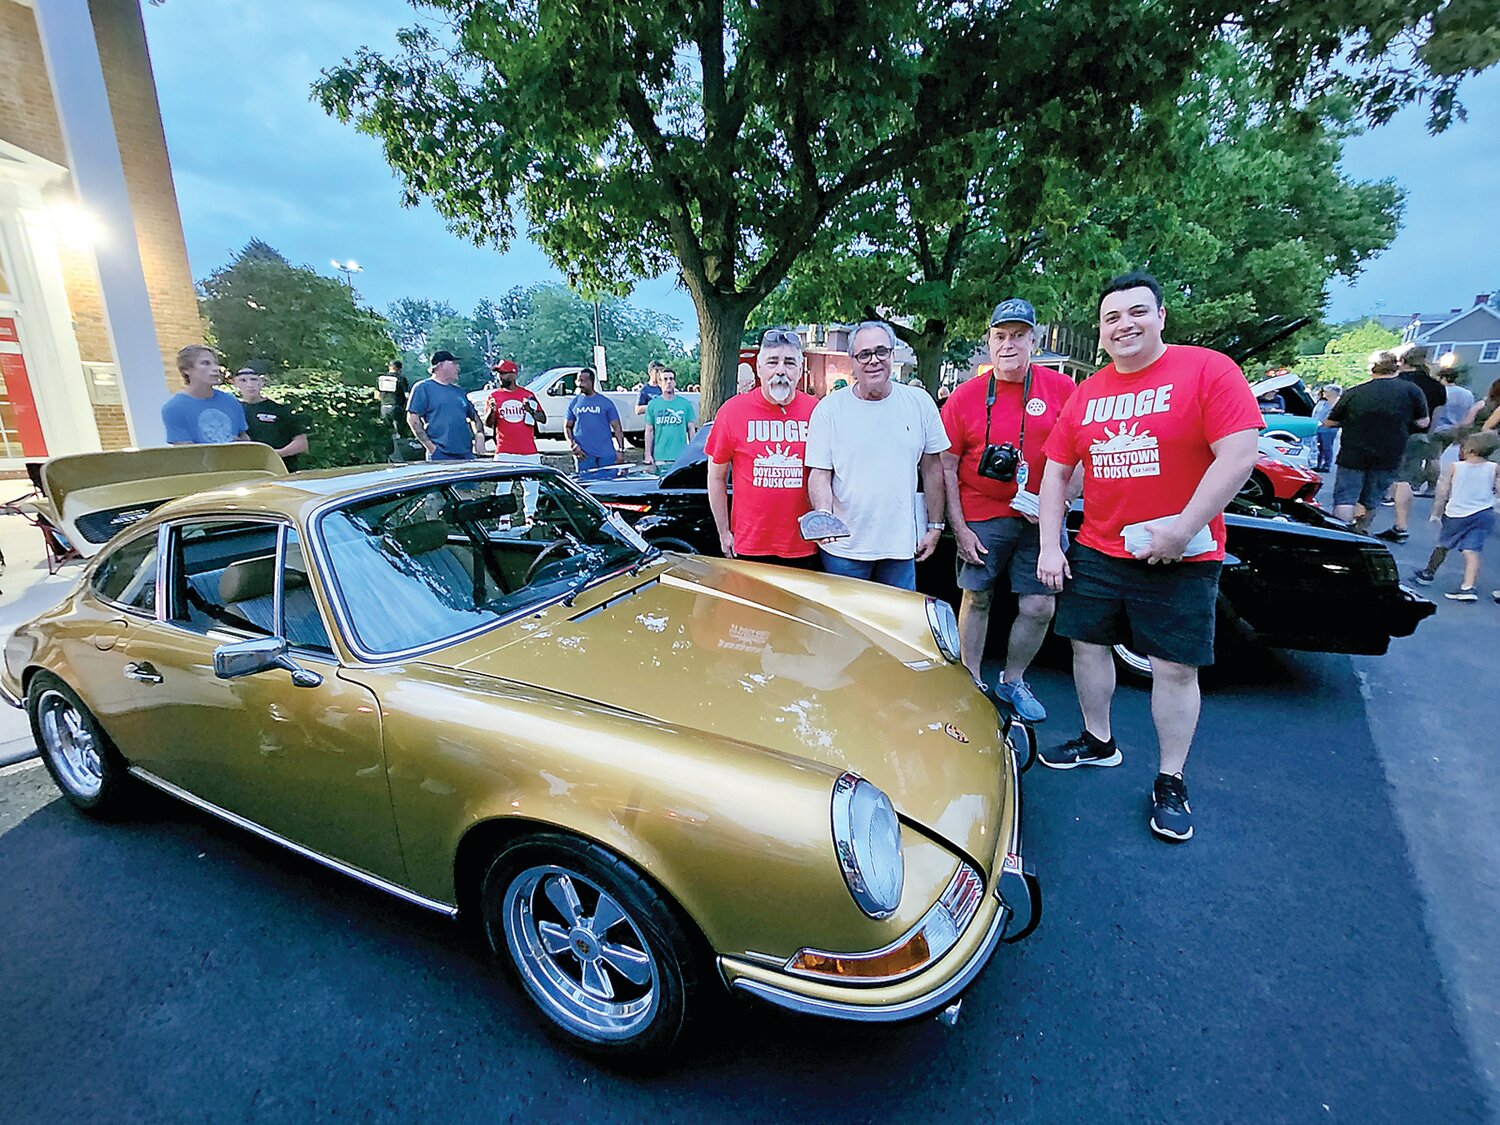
pixel 343 424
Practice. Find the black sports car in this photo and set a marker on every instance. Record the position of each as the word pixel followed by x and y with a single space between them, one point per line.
pixel 1293 580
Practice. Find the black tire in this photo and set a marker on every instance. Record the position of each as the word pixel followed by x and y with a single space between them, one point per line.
pixel 1258 489
pixel 642 1022
pixel 82 760
pixel 1131 665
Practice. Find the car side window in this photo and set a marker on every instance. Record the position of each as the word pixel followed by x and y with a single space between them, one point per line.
pixel 127 575
pixel 222 574
pixel 567 385
pixel 302 623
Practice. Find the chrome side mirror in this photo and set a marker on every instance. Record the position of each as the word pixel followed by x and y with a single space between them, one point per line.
pixel 247 658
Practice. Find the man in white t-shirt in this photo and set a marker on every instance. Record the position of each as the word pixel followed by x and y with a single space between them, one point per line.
pixel 866 445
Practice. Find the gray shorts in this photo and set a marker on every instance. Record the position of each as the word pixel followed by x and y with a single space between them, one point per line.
pixel 1365 487
pixel 1014 546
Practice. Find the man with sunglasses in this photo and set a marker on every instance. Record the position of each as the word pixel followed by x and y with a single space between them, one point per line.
pixel 760 437
pixel 1009 408
pixel 866 446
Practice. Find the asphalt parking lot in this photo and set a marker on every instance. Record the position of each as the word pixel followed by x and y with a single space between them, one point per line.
pixel 1317 954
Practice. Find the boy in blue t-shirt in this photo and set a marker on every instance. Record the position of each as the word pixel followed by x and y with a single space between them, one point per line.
pixel 200 413
pixel 593 426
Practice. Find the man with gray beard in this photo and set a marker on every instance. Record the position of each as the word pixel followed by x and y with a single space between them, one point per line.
pixel 761 438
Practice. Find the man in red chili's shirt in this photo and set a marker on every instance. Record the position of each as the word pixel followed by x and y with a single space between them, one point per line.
pixel 1166 436
pixel 1010 404
pixel 761 437
pixel 514 412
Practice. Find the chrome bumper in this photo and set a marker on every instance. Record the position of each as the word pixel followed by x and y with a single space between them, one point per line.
pixel 1020 910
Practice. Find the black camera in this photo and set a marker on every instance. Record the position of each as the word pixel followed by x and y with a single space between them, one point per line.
pixel 999 462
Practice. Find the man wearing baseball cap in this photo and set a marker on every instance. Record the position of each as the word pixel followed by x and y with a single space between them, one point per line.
pixel 998 422
pixel 441 416
pixel 514 413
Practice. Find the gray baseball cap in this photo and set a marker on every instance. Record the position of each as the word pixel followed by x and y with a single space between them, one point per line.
pixel 1013 311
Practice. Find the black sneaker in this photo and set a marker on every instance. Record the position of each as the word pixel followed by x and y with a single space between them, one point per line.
pixel 1171 815
pixel 1424 577
pixel 1085 750
pixel 1394 535
pixel 1463 594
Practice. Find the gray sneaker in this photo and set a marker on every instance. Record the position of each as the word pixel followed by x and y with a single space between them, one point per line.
pixel 1018 697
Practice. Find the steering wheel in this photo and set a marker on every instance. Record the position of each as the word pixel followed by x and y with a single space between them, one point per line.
pixel 536 563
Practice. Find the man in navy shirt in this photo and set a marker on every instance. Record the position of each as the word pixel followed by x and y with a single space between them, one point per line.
pixel 593 426
pixel 652 389
pixel 441 416
pixel 200 413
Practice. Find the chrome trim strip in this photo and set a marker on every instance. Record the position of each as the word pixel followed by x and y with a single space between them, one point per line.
pixel 307 853
pixel 972 901
pixel 885 1013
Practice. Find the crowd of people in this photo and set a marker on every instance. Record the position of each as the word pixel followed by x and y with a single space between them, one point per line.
pixel 1159 440
pixel 1395 432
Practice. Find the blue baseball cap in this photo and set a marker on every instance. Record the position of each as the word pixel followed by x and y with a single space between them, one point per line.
pixel 1013 311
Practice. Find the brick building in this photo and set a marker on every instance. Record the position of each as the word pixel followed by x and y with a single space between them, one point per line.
pixel 96 295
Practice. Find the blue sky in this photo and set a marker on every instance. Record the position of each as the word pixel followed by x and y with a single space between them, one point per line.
pixel 253 157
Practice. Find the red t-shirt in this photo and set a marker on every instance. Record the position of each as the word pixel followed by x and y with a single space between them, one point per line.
pixel 513 430
pixel 964 419
pixel 1144 440
pixel 764 447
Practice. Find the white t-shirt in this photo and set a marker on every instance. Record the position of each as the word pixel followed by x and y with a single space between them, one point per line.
pixel 873 449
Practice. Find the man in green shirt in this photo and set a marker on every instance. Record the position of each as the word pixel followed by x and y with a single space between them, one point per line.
pixel 671 422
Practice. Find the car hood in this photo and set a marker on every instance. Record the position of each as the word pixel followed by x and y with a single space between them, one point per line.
pixel 718 648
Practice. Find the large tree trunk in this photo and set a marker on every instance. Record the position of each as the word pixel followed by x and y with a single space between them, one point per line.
pixel 929 349
pixel 721 326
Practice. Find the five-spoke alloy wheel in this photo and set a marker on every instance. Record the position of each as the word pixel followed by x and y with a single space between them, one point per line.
pixel 76 751
pixel 594 945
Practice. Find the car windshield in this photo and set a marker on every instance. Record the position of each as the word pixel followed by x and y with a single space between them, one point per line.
pixel 440 560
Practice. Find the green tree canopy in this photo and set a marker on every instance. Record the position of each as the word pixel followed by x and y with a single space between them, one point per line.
pixel 716 138
pixel 1346 358
pixel 260 307
pixel 1240 211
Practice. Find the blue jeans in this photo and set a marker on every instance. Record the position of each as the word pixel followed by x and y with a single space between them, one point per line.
pixel 1326 437
pixel 900 573
pixel 440 455
pixel 586 462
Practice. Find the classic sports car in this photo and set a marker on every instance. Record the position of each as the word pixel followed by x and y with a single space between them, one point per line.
pixel 1294 578
pixel 647 776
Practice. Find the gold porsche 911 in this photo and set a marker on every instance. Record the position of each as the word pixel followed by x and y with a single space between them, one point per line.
pixel 648 776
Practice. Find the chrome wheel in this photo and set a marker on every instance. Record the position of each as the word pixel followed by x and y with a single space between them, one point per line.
pixel 579 954
pixel 1022 744
pixel 70 744
pixel 1133 662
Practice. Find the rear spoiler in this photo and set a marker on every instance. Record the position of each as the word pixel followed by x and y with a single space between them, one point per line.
pixel 90 497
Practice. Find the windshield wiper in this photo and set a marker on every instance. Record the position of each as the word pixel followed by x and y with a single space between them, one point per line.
pixel 596 568
pixel 651 552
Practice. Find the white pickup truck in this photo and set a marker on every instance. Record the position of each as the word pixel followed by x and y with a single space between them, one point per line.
pixel 555 388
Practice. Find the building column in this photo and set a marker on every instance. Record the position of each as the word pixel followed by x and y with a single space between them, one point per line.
pixel 66 29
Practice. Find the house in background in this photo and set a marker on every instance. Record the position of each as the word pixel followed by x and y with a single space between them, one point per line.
pixel 1473 335
pixel 96 294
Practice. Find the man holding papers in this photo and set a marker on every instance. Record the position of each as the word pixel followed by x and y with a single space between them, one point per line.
pixel 1166 436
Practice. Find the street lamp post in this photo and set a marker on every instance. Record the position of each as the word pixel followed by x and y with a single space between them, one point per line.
pixel 348 269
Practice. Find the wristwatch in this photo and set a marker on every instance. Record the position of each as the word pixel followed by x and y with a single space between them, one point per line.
pixel 936 526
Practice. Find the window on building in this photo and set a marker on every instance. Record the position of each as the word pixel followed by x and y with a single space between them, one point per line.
pixel 1490 352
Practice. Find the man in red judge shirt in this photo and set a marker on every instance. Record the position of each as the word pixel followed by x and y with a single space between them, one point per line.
pixel 1167 436
pixel 515 411
pixel 1009 406
pixel 761 437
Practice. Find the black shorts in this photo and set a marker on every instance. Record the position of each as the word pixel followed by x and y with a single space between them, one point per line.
pixel 1014 546
pixel 1166 610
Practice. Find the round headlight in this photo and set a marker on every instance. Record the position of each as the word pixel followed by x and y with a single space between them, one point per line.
pixel 944 624
pixel 867 838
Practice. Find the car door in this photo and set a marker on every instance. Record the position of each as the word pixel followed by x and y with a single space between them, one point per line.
pixel 305 763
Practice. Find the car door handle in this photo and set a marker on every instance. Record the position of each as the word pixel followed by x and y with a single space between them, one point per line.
pixel 142 673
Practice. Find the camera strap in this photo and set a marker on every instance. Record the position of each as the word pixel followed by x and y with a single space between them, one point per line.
pixel 989 409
